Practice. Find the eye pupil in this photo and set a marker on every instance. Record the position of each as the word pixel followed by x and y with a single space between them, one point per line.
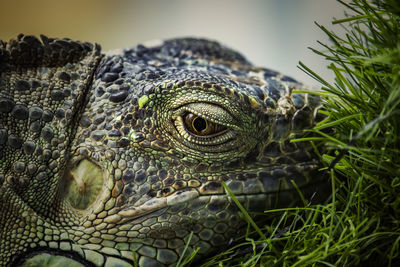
pixel 199 124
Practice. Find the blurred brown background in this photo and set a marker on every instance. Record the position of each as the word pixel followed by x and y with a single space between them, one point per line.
pixel 270 33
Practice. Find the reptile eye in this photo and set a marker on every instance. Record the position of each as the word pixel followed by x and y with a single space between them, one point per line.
pixel 200 126
pixel 204 127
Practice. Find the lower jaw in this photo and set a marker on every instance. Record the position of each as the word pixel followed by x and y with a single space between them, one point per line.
pixel 215 206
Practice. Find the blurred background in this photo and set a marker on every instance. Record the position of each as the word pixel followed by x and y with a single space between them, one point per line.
pixel 270 33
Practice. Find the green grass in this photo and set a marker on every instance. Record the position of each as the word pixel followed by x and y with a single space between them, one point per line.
pixel 360 225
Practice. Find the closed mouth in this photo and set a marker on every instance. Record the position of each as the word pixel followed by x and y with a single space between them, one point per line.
pixel 86 184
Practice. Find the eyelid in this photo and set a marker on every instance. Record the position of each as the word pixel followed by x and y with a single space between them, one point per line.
pixel 208 140
pixel 212 113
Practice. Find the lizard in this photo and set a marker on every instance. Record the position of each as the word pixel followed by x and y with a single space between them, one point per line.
pixel 113 158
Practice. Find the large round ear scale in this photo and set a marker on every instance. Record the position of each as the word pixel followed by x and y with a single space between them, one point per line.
pixel 43 84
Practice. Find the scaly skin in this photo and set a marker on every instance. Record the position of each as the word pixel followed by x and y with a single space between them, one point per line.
pixel 105 154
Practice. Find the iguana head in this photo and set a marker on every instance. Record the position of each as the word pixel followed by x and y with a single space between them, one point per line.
pixel 160 129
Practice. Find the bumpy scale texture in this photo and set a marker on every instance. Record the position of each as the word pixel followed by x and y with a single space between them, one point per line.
pixel 110 158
